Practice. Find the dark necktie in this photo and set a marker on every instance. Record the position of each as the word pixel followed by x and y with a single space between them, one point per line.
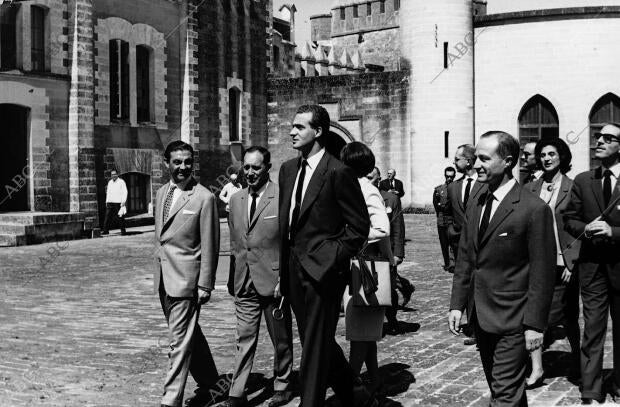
pixel 467 191
pixel 298 196
pixel 168 201
pixel 253 206
pixel 486 216
pixel 607 187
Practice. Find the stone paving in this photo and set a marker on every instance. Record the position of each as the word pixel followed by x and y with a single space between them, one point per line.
pixel 81 326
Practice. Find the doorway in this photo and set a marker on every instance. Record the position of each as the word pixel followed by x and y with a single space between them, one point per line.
pixel 14 169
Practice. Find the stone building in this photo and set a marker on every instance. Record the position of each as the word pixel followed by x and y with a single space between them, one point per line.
pixel 452 70
pixel 87 86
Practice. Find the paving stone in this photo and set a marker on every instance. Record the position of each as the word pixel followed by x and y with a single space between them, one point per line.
pixel 81 326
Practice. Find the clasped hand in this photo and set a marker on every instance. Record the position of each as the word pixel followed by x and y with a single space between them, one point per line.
pixel 598 228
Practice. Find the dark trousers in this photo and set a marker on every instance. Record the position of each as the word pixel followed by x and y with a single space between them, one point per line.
pixel 504 359
pixel 249 305
pixel 398 283
pixel 189 350
pixel 111 213
pixel 317 307
pixel 446 249
pixel 598 296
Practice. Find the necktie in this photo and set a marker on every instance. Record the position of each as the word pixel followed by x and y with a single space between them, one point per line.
pixel 298 195
pixel 467 190
pixel 486 216
pixel 607 186
pixel 168 202
pixel 253 206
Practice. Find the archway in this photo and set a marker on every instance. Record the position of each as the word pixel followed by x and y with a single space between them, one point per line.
pixel 338 138
pixel 538 120
pixel 14 170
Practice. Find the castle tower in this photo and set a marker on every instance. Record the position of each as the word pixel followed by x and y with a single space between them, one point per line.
pixel 437 46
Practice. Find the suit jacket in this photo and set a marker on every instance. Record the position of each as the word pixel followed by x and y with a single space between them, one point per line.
pixel 456 209
pixel 570 254
pixel 397 223
pixel 509 276
pixel 384 185
pixel 333 222
pixel 187 245
pixel 442 205
pixel 586 204
pixel 255 245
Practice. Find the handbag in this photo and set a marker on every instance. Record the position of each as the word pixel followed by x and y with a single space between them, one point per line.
pixel 370 282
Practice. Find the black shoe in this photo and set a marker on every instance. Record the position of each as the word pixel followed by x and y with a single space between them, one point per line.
pixel 392 328
pixel 280 398
pixel 469 341
pixel 536 384
pixel 408 291
pixel 451 269
pixel 588 401
pixel 204 397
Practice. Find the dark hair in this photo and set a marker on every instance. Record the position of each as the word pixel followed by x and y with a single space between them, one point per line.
pixel 378 171
pixel 177 145
pixel 359 157
pixel 562 149
pixel 320 118
pixel 469 152
pixel 507 145
pixel 449 169
pixel 265 153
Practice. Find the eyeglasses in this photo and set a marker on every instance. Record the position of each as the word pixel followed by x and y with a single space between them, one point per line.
pixel 608 138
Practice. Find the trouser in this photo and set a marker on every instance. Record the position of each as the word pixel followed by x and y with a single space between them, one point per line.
pixel 189 350
pixel 248 307
pixel 446 249
pixel 111 213
pixel 398 283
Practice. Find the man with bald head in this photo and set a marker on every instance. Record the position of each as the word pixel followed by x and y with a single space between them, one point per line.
pixel 391 184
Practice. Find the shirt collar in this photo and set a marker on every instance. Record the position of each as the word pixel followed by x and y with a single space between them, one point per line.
pixel 501 192
pixel 615 170
pixel 180 185
pixel 314 160
pixel 474 177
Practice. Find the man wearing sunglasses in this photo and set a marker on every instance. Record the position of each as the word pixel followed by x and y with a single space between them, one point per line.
pixel 254 278
pixel 592 215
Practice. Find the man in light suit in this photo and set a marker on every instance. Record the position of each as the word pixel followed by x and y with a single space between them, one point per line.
pixel 187 242
pixel 392 185
pixel 323 223
pixel 593 217
pixel 255 248
pixel 505 270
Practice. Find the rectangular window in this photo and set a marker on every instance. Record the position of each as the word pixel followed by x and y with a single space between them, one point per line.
pixel 37 38
pixel 355 12
pixel 276 58
pixel 382 6
pixel 342 13
pixel 143 83
pixel 234 114
pixel 445 55
pixel 446 146
pixel 396 5
pixel 368 9
pixel 8 36
pixel 119 80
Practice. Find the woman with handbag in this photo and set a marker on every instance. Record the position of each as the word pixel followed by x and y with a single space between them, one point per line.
pixel 369 291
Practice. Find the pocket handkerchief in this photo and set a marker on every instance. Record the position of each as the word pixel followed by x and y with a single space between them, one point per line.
pixel 269 217
pixel 503 234
pixel 188 212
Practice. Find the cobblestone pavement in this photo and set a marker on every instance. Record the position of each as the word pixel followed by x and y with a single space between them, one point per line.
pixel 81 326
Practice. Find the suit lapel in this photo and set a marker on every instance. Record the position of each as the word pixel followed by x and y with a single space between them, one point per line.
pixel 474 225
pixel 287 190
pixel 315 185
pixel 503 210
pixel 563 192
pixel 185 196
pixel 475 190
pixel 245 201
pixel 597 188
pixel 267 197
pixel 160 209
pixel 459 193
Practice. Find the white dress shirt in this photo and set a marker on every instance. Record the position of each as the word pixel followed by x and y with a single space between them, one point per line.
pixel 615 173
pixel 312 163
pixel 260 192
pixel 499 195
pixel 116 192
pixel 473 177
pixel 180 187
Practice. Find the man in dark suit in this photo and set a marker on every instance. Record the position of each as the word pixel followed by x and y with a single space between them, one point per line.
pixel 592 215
pixel 442 209
pixel 392 185
pixel 323 223
pixel 530 170
pixel 505 270
pixel 255 248
pixel 394 209
pixel 187 244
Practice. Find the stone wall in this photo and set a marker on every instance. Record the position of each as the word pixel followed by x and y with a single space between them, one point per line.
pixel 377 48
pixel 369 107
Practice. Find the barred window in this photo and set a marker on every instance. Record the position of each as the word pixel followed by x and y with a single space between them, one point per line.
pixel 119 80
pixel 37 38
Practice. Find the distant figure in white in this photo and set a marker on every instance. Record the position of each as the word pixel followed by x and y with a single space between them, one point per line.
pixel 115 198
pixel 229 189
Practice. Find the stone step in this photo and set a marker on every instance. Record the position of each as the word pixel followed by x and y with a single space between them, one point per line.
pixel 35 218
pixel 12 240
pixel 12 229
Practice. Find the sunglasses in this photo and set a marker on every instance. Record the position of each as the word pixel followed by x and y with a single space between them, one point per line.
pixel 608 138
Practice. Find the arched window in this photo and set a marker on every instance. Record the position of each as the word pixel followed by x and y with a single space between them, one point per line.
pixel 8 36
pixel 119 80
pixel 605 110
pixel 234 114
pixel 143 83
pixel 538 120
pixel 37 38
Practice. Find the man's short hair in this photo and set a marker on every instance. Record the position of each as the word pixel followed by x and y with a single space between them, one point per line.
pixel 451 169
pixel 177 145
pixel 506 145
pixel 469 152
pixel 320 118
pixel 264 152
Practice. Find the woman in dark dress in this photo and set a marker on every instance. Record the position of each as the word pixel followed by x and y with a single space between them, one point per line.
pixel 554 187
